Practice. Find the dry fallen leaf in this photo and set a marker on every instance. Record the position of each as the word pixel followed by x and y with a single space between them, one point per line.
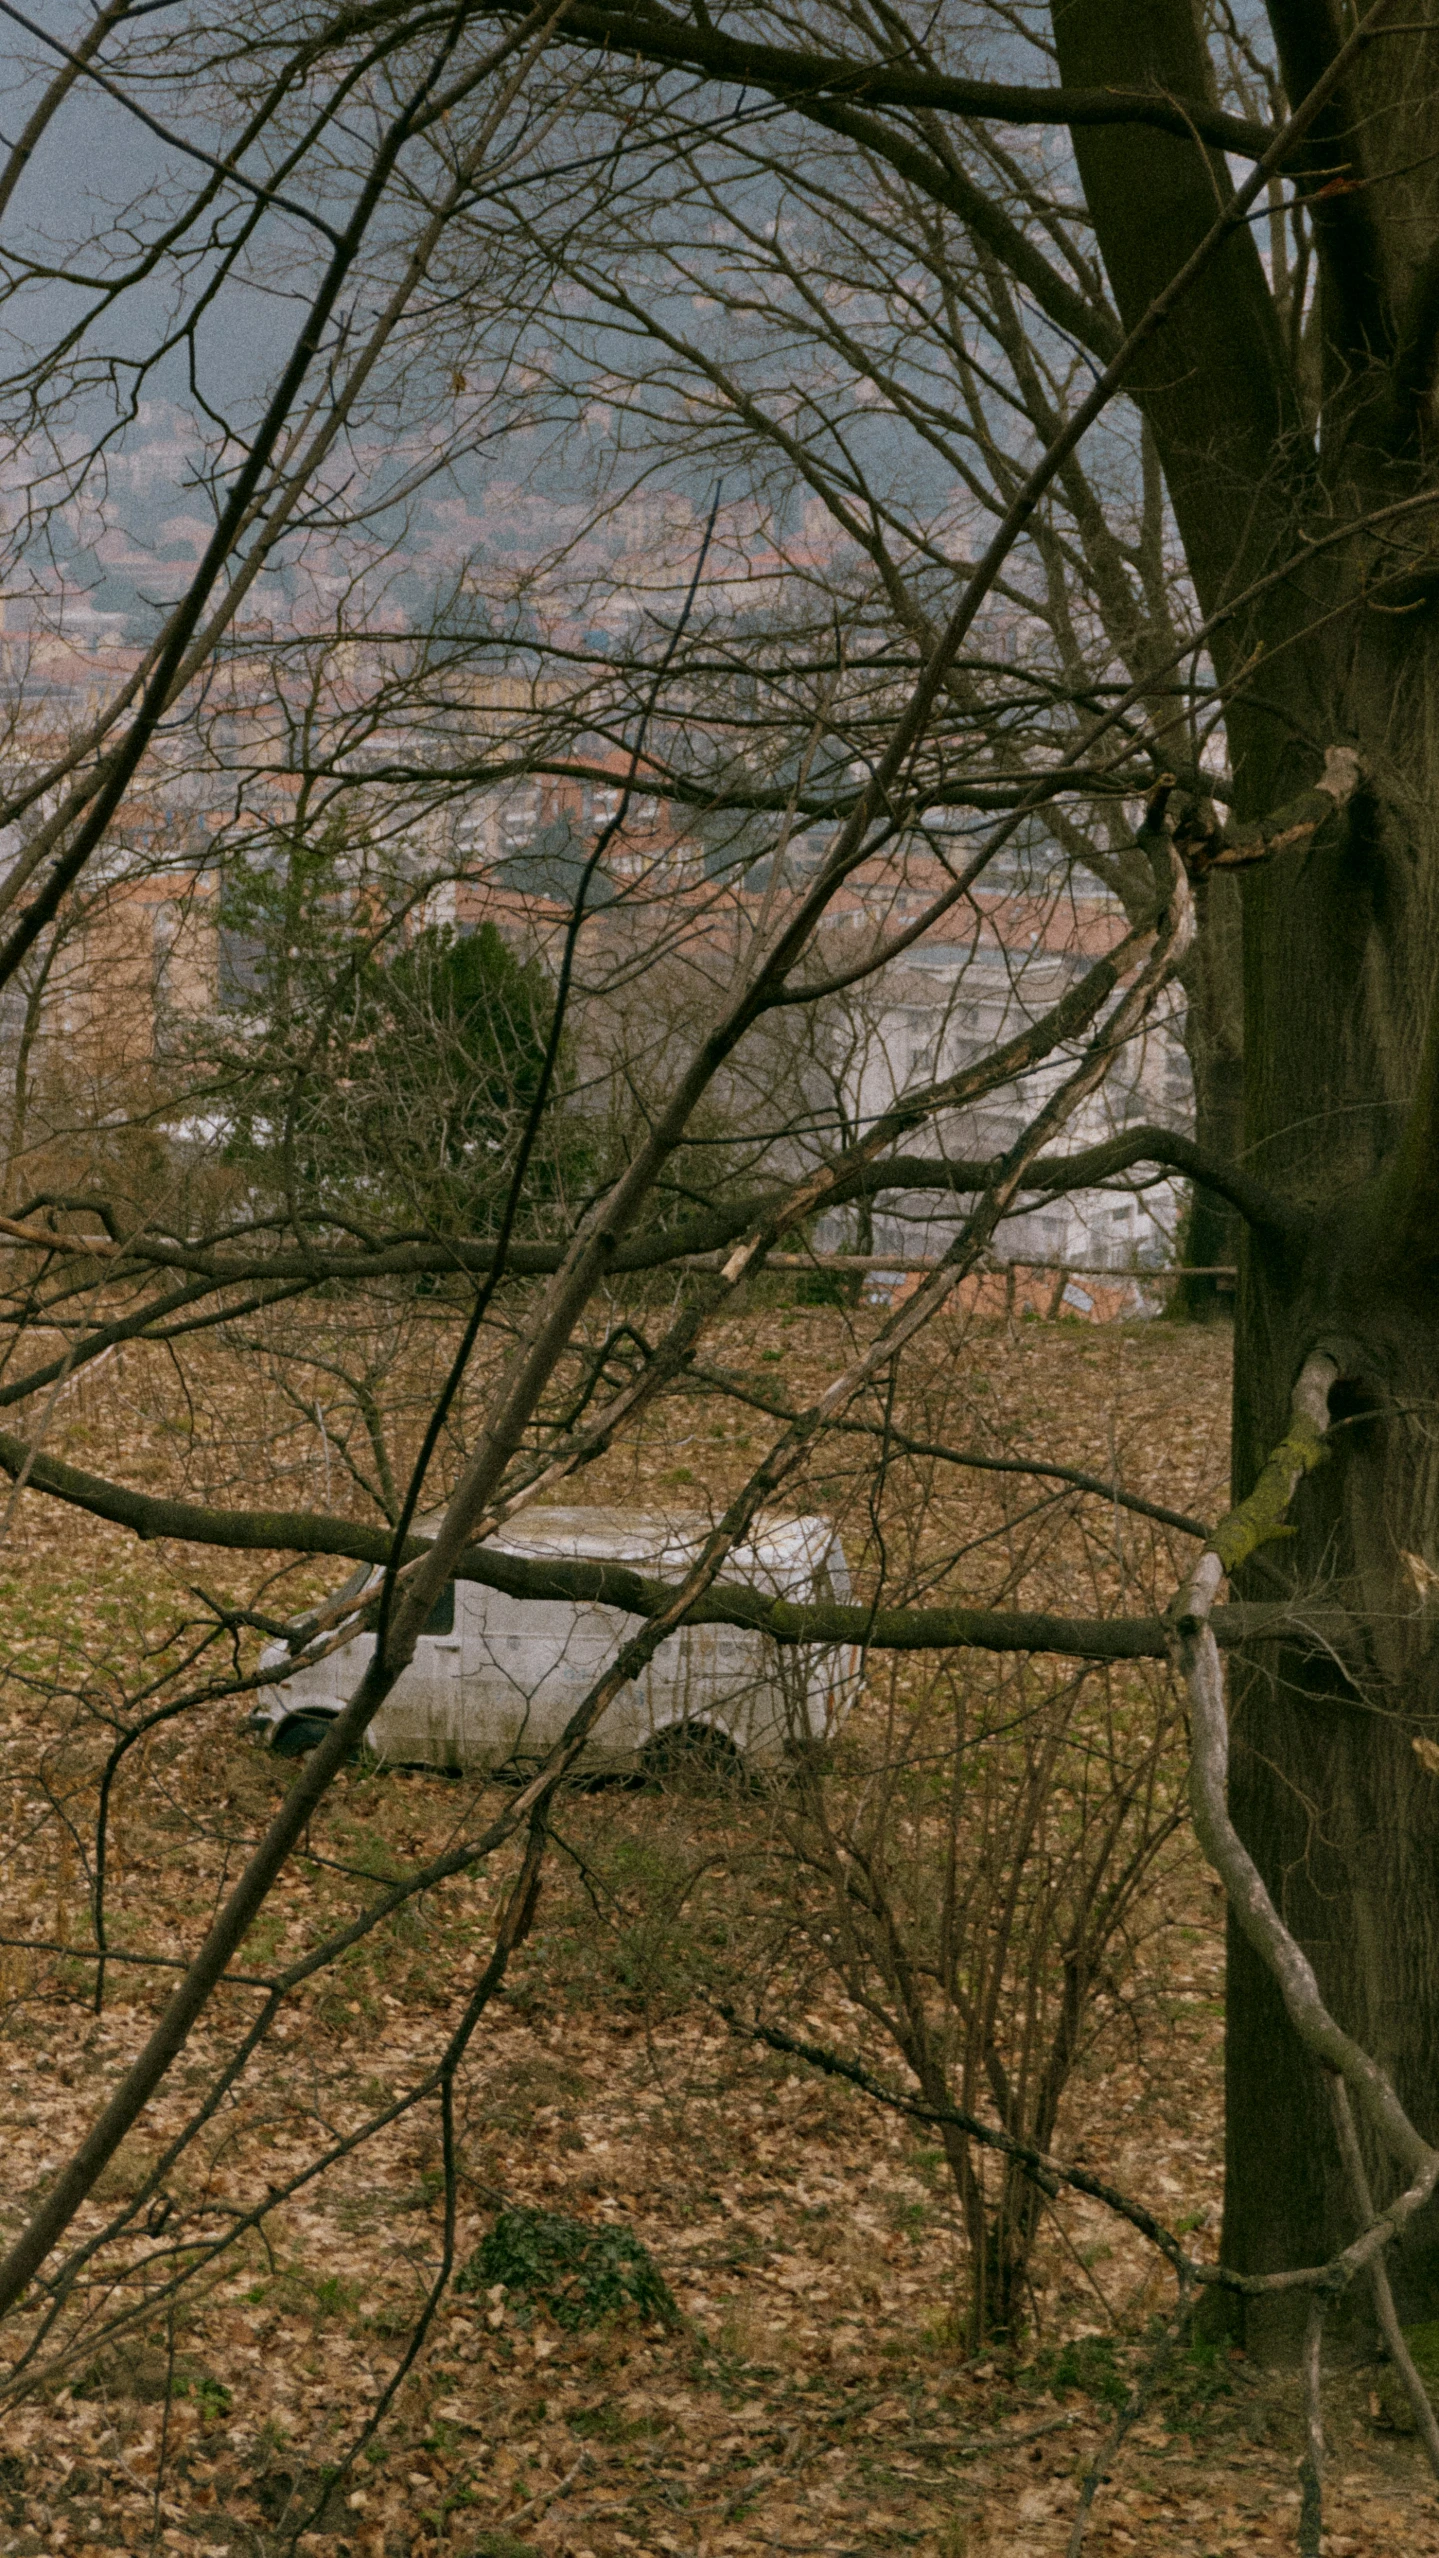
pixel 819 2397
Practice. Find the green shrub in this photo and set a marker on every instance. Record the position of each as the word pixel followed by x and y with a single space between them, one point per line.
pixel 827 1287
pixel 580 2272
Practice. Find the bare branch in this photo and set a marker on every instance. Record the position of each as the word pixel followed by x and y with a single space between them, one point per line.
pixel 800 78
pixel 616 1586
pixel 1426 2422
pixel 1257 1204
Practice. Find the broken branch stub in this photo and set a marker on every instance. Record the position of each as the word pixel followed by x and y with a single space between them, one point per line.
pixel 1204 842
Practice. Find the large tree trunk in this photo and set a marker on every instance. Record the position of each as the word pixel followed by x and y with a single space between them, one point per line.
pixel 1340 948
pixel 1327 1790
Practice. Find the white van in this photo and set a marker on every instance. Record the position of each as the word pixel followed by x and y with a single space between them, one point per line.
pixel 494 1680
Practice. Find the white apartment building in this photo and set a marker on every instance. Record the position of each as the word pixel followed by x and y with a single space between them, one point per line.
pixel 944 1006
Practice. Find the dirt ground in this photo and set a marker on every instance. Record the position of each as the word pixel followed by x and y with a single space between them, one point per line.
pixel 811 2389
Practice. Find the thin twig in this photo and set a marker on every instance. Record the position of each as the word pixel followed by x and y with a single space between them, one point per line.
pixel 157 2515
pixel 1390 2329
pixel 1311 2467
pixel 546 2496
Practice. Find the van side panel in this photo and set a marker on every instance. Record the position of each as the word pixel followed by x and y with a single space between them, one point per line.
pixel 503 1685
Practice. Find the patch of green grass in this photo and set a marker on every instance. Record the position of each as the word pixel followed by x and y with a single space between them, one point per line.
pixel 514 2096
pixel 1195 2381
pixel 365 1848
pixel 1087 2363
pixel 293 2291
pixel 579 2272
pixel 647 1938
pixel 333 2295
pixel 931 2164
pixel 912 2219
pixel 210 2396
pixel 424 2193
pixel 603 2424
pixel 1423 2344
pixel 393 2318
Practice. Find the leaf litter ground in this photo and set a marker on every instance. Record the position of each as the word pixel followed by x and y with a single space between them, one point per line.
pixel 808 2391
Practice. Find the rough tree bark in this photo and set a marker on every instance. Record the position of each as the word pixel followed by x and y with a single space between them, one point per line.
pixel 1339 985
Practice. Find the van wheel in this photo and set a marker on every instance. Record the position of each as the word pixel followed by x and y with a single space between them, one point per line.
pixel 299 1734
pixel 694 1756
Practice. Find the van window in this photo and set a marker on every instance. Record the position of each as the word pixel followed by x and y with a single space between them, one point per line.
pixel 441 1619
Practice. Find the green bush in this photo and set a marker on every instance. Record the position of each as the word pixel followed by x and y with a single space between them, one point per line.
pixel 828 1287
pixel 579 2272
pixel 380 1069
